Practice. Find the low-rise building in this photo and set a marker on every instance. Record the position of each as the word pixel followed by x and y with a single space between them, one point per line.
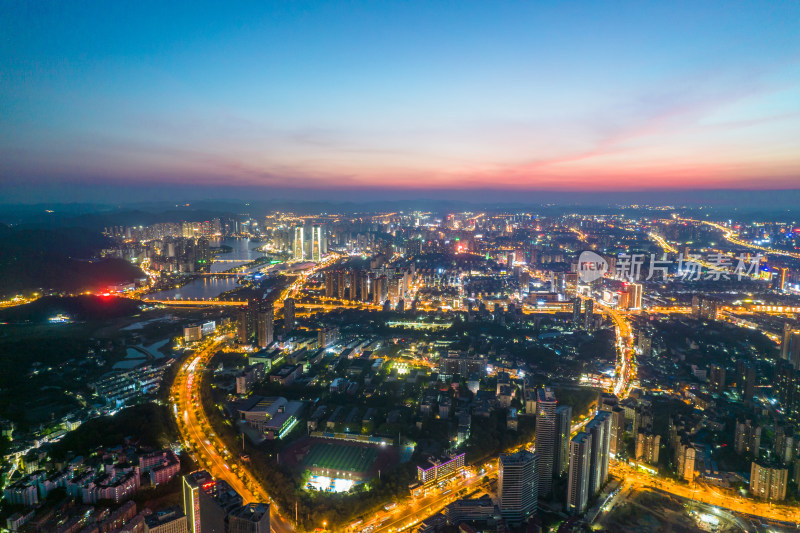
pixel 436 470
pixel 286 374
pixel 471 510
pixel 273 416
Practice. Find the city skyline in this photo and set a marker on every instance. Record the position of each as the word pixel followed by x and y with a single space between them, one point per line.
pixel 382 267
pixel 422 98
pixel 202 345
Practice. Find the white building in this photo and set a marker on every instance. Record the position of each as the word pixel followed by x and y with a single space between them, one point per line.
pixel 580 452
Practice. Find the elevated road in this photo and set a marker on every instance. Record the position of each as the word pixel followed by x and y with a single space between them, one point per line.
pixel 733 237
pixel 667 247
pixel 209 449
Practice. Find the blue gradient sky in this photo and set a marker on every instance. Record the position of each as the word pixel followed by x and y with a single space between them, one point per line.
pixel 399 95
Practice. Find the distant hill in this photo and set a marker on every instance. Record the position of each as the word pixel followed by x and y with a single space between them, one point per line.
pixel 96 218
pixel 57 259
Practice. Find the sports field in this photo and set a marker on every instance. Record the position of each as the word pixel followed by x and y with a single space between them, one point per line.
pixel 340 457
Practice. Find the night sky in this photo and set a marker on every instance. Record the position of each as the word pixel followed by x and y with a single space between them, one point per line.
pixel 102 97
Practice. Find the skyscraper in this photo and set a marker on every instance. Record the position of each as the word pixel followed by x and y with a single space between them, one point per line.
pixel 213 506
pixel 634 291
pixel 600 430
pixel 330 284
pixel 353 285
pixel 580 451
pixel 288 314
pixel 790 345
pixel 576 311
pixel 341 285
pixel 563 430
pixel 615 443
pixel 716 379
pixel 298 246
pixel 607 402
pixel 704 307
pixel 217 499
pixel 517 486
pixel 747 437
pixel 588 314
pixel 786 340
pixel 413 247
pixel 379 290
pixel 203 254
pixel 363 286
pixel 747 380
pixel 265 324
pixel 648 447
pixel 557 283
pixel 316 243
pixel 546 438
pixel 768 481
pixel 781 278
pixel 787 381
pixel 242 327
pixel 571 285
pixel 607 420
pixel 192 487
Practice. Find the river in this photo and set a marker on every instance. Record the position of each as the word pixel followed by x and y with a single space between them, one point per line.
pixel 242 251
pixel 209 287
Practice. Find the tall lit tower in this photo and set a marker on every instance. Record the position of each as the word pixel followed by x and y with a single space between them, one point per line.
pixel 781 279
pixel 634 291
pixel 317 248
pixel 546 438
pixel 192 487
pixel 298 248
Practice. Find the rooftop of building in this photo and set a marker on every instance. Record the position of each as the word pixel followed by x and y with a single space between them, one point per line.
pixel 522 456
pixel 163 516
pixel 546 395
pixel 254 512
